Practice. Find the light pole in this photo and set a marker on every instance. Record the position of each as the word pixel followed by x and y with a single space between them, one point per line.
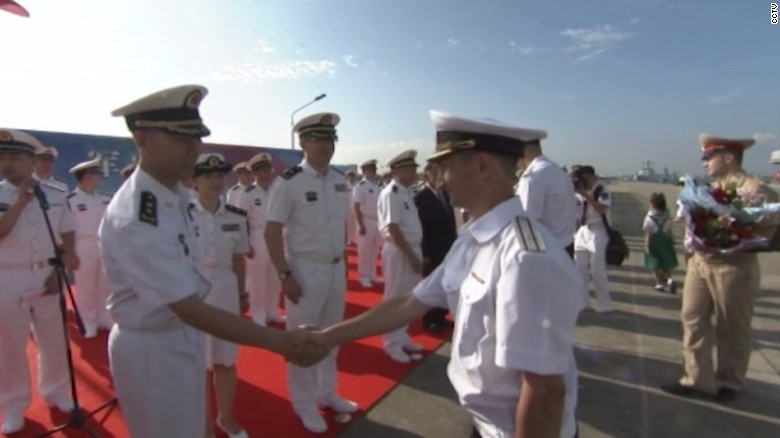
pixel 292 120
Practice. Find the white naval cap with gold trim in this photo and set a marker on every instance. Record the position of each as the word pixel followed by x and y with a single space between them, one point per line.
pixel 12 140
pixel 711 144
pixel 455 133
pixel 173 109
pixel 240 167
pixel 369 163
pixel 263 160
pixel 87 166
pixel 211 162
pixel 405 158
pixel 320 126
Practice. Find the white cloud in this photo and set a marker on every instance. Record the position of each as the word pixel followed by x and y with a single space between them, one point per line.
pixel 263 47
pixel 766 138
pixel 452 42
pixel 419 45
pixel 350 60
pixel 593 41
pixel 634 21
pixel 260 71
pixel 522 49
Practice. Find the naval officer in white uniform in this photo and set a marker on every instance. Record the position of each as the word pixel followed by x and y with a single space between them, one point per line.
pixel 45 159
pixel 369 240
pixel 29 283
pixel 245 180
pixel 88 206
pixel 509 283
pixel 399 224
pixel 157 289
pixel 306 238
pixel 222 240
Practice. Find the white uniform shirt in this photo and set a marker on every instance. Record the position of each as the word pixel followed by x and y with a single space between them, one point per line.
pixel 396 206
pixel 219 235
pixel 234 192
pixel 88 209
pixel 547 195
pixel 149 253
pixel 54 182
pixel 28 241
pixel 254 200
pixel 592 217
pixel 313 210
pixel 366 193
pixel 515 310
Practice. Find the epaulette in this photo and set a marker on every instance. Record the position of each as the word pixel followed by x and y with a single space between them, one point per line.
pixel 395 188
pixel 71 194
pixel 362 182
pixel 235 187
pixel 336 170
pixel 147 213
pixel 236 210
pixel 249 189
pixel 291 172
pixel 52 187
pixel 529 238
pixel 105 194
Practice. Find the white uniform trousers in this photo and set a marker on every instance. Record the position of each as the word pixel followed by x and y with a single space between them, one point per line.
pixel 322 304
pixel 368 247
pixel 92 289
pixel 160 380
pixel 262 281
pixel 224 295
pixel 17 314
pixel 590 255
pixel 399 279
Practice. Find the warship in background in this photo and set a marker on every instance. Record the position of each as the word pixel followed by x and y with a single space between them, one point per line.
pixel 647 173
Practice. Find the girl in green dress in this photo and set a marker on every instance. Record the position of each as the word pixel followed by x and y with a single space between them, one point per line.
pixel 660 256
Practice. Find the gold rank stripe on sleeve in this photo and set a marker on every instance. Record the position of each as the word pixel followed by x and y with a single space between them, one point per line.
pixel 530 240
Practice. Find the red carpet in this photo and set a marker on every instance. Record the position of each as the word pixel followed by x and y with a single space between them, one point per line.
pixel 262 406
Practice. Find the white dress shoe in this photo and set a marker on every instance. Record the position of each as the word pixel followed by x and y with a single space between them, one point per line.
pixel 366 283
pixel 398 355
pixel 12 424
pixel 313 421
pixel 340 404
pixel 240 434
pixel 413 348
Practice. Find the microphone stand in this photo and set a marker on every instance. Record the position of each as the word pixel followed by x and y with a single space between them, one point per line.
pixel 77 418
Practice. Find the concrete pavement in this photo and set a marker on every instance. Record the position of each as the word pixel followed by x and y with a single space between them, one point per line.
pixel 623 357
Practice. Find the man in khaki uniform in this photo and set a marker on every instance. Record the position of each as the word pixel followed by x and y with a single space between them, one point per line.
pixel 723 284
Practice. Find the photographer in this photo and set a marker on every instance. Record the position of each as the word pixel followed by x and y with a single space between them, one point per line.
pixel 591 238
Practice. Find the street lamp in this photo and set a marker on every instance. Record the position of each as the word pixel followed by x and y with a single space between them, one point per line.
pixel 292 120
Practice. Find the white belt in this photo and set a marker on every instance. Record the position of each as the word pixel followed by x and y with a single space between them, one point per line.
pixel 318 258
pixel 33 266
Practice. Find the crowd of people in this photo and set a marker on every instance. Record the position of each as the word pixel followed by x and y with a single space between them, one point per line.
pixel 497 234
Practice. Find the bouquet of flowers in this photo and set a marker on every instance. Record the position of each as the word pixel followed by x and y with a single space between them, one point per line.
pixel 721 220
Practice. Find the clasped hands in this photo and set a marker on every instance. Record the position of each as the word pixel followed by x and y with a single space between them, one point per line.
pixel 308 346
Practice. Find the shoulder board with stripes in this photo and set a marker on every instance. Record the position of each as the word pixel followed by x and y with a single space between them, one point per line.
pixel 235 210
pixel 72 194
pixel 52 187
pixel 529 238
pixel 291 172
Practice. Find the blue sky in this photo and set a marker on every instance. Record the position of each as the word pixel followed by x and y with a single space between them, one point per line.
pixel 614 82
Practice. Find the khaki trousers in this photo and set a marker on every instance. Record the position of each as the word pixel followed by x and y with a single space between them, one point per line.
pixel 726 286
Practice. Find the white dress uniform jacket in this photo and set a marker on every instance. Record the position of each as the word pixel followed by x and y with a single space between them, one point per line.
pixel 513 291
pixel 366 193
pixel 262 281
pixel 156 359
pixel 313 211
pixel 24 268
pixel 92 289
pixel 396 206
pixel 234 192
pixel 53 182
pixel 590 250
pixel 547 195
pixel 219 236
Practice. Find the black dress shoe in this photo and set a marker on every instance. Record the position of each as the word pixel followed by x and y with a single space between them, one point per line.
pixel 683 391
pixel 725 395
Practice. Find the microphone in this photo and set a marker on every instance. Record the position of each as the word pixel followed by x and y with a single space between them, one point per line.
pixel 38 192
